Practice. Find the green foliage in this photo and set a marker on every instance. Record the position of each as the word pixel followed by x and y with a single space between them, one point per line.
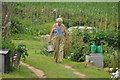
pixel 78 57
pixel 108 38
pixel 112 60
pixel 17 27
pixel 115 60
pixel 32 17
pixel 22 49
pixel 44 51
pixel 76 47
pixel 8 45
pixel 81 40
pixel 42 29
pixel 78 53
pixel 107 60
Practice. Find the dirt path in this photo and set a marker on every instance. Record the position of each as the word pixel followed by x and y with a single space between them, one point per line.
pixel 74 71
pixel 41 74
pixel 38 72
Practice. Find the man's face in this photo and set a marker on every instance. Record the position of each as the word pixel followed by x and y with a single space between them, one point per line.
pixel 59 22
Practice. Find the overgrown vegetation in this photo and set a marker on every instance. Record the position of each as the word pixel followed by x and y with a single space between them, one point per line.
pixel 80 41
pixel 39 18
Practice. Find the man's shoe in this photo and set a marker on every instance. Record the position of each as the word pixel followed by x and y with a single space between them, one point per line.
pixel 61 62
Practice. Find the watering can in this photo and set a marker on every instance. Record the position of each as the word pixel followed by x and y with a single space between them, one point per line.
pixel 50 48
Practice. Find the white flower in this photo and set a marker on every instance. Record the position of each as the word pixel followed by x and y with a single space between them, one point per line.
pixel 68 57
pixel 117 74
pixel 113 73
pixel 111 69
pixel 91 62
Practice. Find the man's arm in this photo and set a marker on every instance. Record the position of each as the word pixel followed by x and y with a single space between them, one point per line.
pixel 65 30
pixel 51 33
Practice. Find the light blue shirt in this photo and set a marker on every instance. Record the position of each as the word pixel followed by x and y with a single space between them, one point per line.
pixel 58 31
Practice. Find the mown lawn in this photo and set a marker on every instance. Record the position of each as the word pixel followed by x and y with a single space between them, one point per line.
pixel 56 70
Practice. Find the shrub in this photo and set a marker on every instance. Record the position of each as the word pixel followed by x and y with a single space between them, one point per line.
pixel 115 59
pixel 76 48
pixel 22 49
pixel 112 60
pixel 8 45
pixel 107 60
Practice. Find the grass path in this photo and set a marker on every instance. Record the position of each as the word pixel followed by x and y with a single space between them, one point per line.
pixel 57 70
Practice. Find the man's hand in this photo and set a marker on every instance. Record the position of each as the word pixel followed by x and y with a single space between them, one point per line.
pixel 49 41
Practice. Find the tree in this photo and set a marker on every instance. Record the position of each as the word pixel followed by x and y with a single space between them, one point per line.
pixel 6 21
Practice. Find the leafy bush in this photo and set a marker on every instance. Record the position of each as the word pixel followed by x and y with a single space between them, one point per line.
pixel 76 48
pixel 78 57
pixel 78 54
pixel 107 60
pixel 17 27
pixel 112 60
pixel 81 40
pixel 8 45
pixel 23 50
pixel 115 59
pixel 107 38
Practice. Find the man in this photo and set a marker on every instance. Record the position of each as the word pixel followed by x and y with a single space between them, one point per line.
pixel 59 35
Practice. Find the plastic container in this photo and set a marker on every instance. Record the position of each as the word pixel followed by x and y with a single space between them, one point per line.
pixel 93 48
pixel 99 49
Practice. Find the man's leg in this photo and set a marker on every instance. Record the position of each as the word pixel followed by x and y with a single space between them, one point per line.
pixel 56 48
pixel 61 48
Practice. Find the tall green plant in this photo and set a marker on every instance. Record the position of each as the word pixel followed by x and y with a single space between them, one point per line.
pixel 115 59
pixel 22 49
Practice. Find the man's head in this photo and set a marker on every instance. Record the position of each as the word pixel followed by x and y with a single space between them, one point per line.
pixel 59 21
